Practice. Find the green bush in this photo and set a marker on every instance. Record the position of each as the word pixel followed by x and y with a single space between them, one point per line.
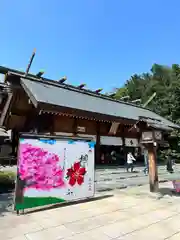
pixel 7 177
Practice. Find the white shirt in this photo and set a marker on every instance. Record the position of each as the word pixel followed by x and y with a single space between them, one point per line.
pixel 130 158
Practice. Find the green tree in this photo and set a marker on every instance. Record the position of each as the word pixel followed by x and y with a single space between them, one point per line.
pixel 165 81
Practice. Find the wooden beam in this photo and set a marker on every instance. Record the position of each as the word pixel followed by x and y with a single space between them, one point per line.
pixel 30 62
pixel 125 98
pixel 149 141
pixel 81 86
pixel 98 90
pixel 62 80
pixel 149 100
pixel 136 100
pixel 153 172
pixel 6 109
pixel 114 127
pixel 39 74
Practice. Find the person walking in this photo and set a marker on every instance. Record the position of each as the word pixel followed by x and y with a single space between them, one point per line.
pixel 130 160
pixel 169 165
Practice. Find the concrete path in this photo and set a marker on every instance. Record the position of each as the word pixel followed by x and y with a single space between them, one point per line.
pixel 128 214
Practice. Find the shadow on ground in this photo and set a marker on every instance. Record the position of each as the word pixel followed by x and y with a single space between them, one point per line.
pixel 6 203
pixel 168 192
pixel 65 204
pixel 108 166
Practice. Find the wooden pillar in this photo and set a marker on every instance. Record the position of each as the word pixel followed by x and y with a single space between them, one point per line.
pixel 153 172
pixel 7 108
pixel 124 151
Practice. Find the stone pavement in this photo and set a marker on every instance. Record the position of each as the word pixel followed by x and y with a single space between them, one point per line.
pixel 128 214
pixel 107 179
pixel 117 178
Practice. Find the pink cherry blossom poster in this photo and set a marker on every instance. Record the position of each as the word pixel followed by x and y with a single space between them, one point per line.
pixel 53 171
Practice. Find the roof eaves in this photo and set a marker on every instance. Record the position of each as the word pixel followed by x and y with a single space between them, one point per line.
pixel 156 123
pixel 160 127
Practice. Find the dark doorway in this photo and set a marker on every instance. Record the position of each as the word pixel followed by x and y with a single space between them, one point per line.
pixel 111 155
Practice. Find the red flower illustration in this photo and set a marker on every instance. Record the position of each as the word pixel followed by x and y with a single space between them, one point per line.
pixel 75 174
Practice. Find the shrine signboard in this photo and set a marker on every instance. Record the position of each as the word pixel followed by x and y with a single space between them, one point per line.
pixel 53 171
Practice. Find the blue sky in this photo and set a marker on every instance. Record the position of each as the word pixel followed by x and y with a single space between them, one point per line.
pixel 97 42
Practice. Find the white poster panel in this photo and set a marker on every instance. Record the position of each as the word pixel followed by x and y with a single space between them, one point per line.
pixel 111 141
pixel 131 142
pixel 54 171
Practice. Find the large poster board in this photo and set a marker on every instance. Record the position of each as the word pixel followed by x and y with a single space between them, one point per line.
pixel 53 171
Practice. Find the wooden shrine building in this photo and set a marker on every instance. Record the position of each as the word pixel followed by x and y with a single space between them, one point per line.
pixel 36 104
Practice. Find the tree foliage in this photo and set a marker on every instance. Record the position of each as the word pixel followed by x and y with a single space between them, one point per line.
pixel 165 81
